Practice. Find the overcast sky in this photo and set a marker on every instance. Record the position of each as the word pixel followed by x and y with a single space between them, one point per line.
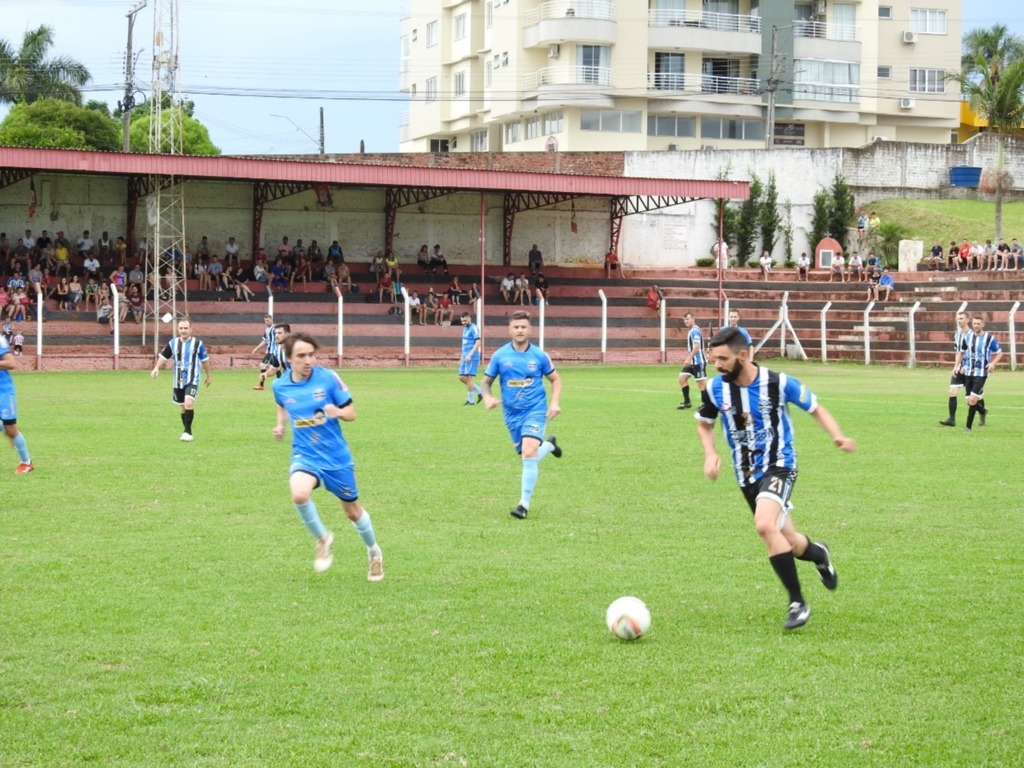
pixel 243 61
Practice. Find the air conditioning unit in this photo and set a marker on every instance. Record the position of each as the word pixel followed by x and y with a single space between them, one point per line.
pixel 906 103
pixel 909 38
pixel 673 147
pixel 554 50
pixel 878 138
pixel 818 9
pixel 453 142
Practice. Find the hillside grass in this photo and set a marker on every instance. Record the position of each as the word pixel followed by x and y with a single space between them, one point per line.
pixel 160 609
pixel 947 220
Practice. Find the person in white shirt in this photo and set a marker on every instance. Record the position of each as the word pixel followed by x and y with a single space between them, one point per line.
pixel 506 288
pixel 231 252
pixel 838 268
pixel 856 268
pixel 84 244
pixel 803 266
pixel 91 265
pixel 720 252
pixel 766 264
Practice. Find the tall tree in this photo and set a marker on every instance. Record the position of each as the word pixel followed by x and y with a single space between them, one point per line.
pixel 993 84
pixel 843 211
pixel 54 124
pixel 769 218
pixel 27 75
pixel 747 231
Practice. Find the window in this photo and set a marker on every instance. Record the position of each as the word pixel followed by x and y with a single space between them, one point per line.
pixel 431 89
pixel 439 145
pixel 478 141
pixel 614 120
pixel 668 71
pixel 826 80
pixel 459 85
pixel 488 73
pixel 504 59
pixel 593 63
pixel 671 125
pixel 554 123
pixel 725 128
pixel 927 80
pixel 431 33
pixel 533 127
pixel 928 21
pixel 884 73
pixel 512 132
pixel 488 15
pixel 460 26
pixel 885 12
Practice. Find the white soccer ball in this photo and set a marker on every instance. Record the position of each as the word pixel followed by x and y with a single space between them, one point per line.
pixel 628 618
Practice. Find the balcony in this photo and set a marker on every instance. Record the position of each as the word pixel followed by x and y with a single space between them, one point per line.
pixel 555 21
pixel 822 40
pixel 725 32
pixel 670 84
pixel 568 75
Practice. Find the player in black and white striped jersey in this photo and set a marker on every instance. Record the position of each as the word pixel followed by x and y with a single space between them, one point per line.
pixel 979 355
pixel 956 381
pixel 188 356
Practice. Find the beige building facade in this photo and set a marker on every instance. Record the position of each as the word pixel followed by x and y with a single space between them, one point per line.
pixel 636 75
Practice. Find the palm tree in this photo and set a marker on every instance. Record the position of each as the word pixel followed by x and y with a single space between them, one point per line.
pixel 992 81
pixel 26 74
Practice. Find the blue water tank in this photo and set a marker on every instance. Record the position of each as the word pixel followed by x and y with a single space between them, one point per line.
pixel 965 176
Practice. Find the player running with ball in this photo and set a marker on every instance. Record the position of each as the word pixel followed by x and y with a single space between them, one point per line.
pixel 752 402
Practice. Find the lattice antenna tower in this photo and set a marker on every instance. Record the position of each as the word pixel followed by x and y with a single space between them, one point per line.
pixel 166 205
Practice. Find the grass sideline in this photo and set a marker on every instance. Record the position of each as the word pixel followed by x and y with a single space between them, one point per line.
pixel 160 606
pixel 947 220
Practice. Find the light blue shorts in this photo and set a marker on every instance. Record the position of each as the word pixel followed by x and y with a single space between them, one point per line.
pixel 8 408
pixel 341 481
pixel 469 369
pixel 526 424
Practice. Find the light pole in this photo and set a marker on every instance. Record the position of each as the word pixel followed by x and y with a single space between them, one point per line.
pixel 129 84
pixel 299 128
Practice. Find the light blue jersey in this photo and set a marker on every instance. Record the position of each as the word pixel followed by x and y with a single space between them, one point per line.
pixel 8 403
pixel 743 330
pixel 470 336
pixel 756 421
pixel 317 440
pixel 522 377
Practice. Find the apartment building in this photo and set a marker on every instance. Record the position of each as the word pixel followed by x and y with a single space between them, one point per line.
pixel 583 75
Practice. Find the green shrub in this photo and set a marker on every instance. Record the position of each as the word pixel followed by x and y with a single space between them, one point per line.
pixel 706 262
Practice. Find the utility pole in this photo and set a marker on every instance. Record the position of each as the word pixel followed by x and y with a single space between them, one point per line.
pixel 129 78
pixel 772 85
pixel 321 130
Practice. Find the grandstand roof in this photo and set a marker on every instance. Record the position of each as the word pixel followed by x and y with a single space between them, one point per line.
pixel 336 171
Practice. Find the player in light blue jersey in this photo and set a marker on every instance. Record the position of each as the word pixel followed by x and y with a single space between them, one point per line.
pixel 9 408
pixel 753 403
pixel 189 359
pixel 522 367
pixel 470 359
pixel 695 362
pixel 978 356
pixel 271 352
pixel 316 401
pixel 734 322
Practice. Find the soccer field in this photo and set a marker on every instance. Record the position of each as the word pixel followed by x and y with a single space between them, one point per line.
pixel 159 605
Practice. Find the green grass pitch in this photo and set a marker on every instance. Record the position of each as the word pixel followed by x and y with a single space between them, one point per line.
pixel 158 605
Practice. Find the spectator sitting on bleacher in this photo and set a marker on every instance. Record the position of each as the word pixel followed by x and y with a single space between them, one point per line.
pixel 61 256
pixel 540 284
pixel 535 260
pixel 385 286
pixel 856 268
pixel 444 313
pixel 423 257
pixel 85 244
pixel 316 260
pixel 215 269
pixel 522 294
pixel 132 304
pixel 104 310
pixel 284 250
pixel 611 263
pixel 74 293
pixel 301 272
pixel 474 294
pixel 91 267
pixel 438 261
pixel 455 291
pixel 654 298
pixel 343 276
pixel 60 293
pixel 507 287
pixel 260 271
pixel 278 276
pixel 203 274
pixel 377 264
pixel 415 305
pixel 391 265
pixel 4 302
pixel 231 252
pixel 121 250
pixel 242 290
pixel 335 254
pixel 91 293
pixel 429 306
pixel 119 278
pixel 766 264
